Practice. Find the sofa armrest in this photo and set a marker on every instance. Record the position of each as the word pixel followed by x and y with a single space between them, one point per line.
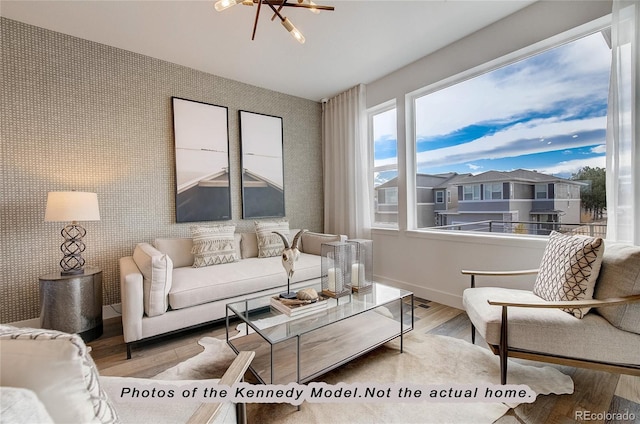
pixel 132 298
pixel 589 303
pixel 207 411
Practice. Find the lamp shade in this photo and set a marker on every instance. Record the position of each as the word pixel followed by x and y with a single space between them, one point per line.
pixel 72 206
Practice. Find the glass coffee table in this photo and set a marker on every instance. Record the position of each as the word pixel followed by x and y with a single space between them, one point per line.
pixel 299 349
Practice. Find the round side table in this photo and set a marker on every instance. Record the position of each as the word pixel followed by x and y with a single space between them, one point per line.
pixel 72 303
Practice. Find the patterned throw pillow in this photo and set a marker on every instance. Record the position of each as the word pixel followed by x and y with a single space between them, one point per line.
pixel 213 245
pixel 569 269
pixel 270 244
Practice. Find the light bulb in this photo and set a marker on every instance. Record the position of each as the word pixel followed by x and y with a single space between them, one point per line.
pixel 225 4
pixel 313 9
pixel 293 30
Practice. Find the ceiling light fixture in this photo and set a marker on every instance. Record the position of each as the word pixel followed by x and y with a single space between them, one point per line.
pixel 307 4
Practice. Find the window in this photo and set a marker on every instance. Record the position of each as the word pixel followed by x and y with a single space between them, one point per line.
pixel 541 118
pixel 439 197
pixel 382 132
pixel 541 191
pixel 471 192
pixel 493 191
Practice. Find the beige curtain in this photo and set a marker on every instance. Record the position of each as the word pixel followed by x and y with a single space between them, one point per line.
pixel 347 191
pixel 623 129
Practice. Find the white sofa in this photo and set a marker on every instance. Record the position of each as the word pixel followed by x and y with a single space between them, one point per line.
pixel 162 292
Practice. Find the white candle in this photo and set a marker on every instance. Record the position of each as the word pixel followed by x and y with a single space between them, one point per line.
pixel 331 277
pixel 356 271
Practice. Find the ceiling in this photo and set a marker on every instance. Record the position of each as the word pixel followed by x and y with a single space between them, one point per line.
pixel 359 42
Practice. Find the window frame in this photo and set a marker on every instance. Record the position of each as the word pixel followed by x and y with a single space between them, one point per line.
pixel 539 47
pixel 370 113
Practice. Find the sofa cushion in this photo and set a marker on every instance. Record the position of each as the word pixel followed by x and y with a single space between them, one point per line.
pixel 569 269
pixel 312 242
pixel 194 286
pixel 270 244
pixel 18 405
pixel 549 330
pixel 178 249
pixel 620 276
pixel 156 269
pixel 213 245
pixel 59 369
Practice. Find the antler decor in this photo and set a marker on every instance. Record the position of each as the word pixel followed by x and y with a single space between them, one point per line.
pixel 290 255
pixel 307 4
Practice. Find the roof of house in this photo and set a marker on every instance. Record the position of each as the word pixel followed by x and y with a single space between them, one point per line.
pixel 518 175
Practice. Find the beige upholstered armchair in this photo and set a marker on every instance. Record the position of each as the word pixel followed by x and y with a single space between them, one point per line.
pixel 49 377
pixel 583 311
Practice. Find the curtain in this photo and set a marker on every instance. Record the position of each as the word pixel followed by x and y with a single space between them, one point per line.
pixel 623 130
pixel 347 190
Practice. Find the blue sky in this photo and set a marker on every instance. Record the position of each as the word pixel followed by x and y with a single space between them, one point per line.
pixel 544 113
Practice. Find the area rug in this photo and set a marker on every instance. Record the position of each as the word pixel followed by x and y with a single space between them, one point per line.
pixel 426 360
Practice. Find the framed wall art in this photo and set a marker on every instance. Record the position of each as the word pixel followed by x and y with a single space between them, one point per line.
pixel 262 165
pixel 201 133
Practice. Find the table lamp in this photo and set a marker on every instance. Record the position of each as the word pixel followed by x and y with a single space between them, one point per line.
pixel 72 206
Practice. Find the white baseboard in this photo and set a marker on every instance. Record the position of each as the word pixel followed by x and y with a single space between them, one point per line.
pixel 448 299
pixel 108 311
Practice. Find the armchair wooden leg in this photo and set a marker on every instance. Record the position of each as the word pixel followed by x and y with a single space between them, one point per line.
pixel 504 347
pixel 241 413
pixel 473 334
pixel 128 350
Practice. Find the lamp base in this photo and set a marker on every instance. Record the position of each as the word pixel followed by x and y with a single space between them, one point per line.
pixel 72 271
pixel 72 263
pixel 289 295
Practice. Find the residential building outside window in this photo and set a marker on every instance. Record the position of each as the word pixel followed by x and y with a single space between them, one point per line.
pixel 512 143
pixel 541 191
pixel 382 133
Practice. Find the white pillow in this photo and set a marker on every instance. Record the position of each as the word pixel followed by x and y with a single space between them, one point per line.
pixel 213 245
pixel 157 271
pixel 270 244
pixel 58 368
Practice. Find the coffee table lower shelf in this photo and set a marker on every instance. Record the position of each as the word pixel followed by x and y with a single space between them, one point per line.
pixel 320 350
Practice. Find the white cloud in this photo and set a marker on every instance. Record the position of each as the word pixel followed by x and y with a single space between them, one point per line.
pixel 573 166
pixel 577 75
pixel 519 140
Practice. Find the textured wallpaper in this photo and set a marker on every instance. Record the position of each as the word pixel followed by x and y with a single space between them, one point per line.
pixel 78 115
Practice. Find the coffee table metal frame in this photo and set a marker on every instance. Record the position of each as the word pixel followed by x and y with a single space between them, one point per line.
pixel 367 311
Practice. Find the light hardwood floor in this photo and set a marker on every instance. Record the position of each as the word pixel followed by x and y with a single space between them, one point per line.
pixel 595 392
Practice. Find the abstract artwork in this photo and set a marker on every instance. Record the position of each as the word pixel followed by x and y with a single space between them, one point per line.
pixel 202 161
pixel 262 165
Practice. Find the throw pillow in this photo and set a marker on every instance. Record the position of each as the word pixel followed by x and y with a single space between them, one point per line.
pixel 157 272
pixel 620 276
pixel 58 368
pixel 270 244
pixel 213 245
pixel 569 269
